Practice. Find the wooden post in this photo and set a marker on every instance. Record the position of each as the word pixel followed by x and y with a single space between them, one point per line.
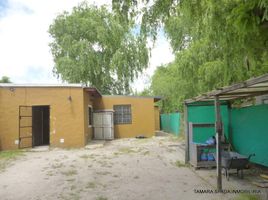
pixel 187 158
pixel 218 127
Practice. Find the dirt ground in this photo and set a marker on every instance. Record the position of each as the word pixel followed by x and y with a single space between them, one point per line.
pixel 121 169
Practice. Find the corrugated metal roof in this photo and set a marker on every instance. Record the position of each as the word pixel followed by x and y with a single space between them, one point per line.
pixel 250 88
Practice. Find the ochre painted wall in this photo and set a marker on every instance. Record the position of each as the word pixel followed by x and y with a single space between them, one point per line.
pixel 157 118
pixel 67 119
pixel 88 101
pixel 143 115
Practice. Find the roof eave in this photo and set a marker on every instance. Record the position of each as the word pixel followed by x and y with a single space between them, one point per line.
pixel 253 87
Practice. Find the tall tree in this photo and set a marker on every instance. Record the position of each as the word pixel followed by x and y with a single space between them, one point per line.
pixel 96 47
pixel 5 79
pixel 215 43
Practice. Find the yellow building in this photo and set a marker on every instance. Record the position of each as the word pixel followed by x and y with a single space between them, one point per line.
pixel 62 115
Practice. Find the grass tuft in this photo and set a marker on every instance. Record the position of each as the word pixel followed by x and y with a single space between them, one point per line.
pixel 146 153
pixel 178 163
pixel 247 197
pixel 126 150
pixel 10 154
pixel 6 157
pixel 70 180
pixel 57 165
pixel 91 185
pixel 73 187
pixel 101 198
pixel 87 156
pixel 174 138
pixel 70 172
pixel 103 173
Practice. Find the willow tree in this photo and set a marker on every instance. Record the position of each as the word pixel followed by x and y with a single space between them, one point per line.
pixel 94 46
pixel 215 43
pixel 231 34
pixel 5 79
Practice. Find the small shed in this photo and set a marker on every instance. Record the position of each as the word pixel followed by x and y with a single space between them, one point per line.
pixel 224 117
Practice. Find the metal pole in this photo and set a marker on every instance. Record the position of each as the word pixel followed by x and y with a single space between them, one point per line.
pixel 186 134
pixel 218 127
pixel 42 109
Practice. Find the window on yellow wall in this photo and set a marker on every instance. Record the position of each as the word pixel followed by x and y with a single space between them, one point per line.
pixel 90 115
pixel 122 114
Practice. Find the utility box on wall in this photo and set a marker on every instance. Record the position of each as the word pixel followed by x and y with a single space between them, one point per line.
pixel 103 124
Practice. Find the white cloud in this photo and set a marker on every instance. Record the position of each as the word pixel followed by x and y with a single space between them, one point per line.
pixel 24 39
pixel 24 52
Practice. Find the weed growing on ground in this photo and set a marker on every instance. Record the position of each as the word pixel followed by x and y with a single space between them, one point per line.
pixel 103 185
pixel 91 185
pixel 247 197
pixel 174 138
pixel 50 173
pixel 126 150
pixel 6 157
pixel 87 156
pixel 170 150
pixel 101 198
pixel 73 187
pixel 146 153
pixel 103 163
pixel 212 176
pixel 10 154
pixel 57 165
pixel 116 153
pixel 108 158
pixel 103 173
pixel 74 196
pixel 70 180
pixel 178 163
pixel 70 172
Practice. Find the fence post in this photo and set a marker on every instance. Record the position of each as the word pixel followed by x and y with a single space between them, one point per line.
pixel 218 127
pixel 186 130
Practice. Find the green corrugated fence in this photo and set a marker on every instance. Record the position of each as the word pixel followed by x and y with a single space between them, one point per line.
pixel 170 123
pixel 206 114
pixel 250 132
pixel 246 128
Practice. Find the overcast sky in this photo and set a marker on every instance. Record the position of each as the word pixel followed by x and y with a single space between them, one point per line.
pixel 24 52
